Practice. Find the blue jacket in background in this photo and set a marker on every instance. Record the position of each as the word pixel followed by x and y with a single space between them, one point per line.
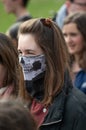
pixel 80 81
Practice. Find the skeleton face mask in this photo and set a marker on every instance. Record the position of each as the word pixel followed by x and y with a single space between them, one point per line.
pixel 32 66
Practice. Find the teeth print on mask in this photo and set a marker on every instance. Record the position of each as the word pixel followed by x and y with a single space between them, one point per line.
pixel 32 66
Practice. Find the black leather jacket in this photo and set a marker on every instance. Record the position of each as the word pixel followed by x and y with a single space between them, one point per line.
pixel 68 111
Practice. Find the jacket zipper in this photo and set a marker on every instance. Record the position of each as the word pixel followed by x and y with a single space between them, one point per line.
pixel 45 124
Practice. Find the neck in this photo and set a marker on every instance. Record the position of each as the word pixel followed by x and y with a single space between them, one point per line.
pixel 36 87
pixel 77 58
pixel 75 66
pixel 20 12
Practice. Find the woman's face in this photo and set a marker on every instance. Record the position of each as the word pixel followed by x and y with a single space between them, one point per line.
pixel 28 46
pixel 73 37
pixel 2 75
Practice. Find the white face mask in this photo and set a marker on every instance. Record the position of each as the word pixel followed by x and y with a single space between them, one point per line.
pixel 32 66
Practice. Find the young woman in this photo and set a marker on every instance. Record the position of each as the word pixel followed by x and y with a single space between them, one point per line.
pixel 74 31
pixel 53 101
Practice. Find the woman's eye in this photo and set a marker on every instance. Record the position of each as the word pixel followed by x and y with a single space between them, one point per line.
pixel 64 34
pixel 19 52
pixel 74 34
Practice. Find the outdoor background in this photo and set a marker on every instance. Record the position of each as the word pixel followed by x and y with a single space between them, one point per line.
pixel 37 8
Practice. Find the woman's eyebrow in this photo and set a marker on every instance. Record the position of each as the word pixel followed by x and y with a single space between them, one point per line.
pixel 29 51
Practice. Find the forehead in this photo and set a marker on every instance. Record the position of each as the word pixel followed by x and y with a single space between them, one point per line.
pixel 70 27
pixel 27 41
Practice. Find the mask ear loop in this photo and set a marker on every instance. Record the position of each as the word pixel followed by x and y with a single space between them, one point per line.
pixel 47 22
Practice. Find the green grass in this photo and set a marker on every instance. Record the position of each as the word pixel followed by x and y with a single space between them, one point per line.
pixel 37 8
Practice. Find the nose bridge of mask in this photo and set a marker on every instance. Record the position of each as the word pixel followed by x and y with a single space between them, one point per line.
pixel 27 62
pixel 32 62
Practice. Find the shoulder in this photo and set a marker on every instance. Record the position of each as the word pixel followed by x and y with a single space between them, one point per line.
pixel 77 101
pixel 61 14
pixel 24 18
pixel 82 73
pixel 63 8
pixel 75 110
pixel 80 81
pixel 13 30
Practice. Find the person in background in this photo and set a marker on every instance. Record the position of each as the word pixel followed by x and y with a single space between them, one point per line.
pixel 13 32
pixel 18 8
pixel 15 116
pixel 43 55
pixel 10 71
pixel 68 7
pixel 74 31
